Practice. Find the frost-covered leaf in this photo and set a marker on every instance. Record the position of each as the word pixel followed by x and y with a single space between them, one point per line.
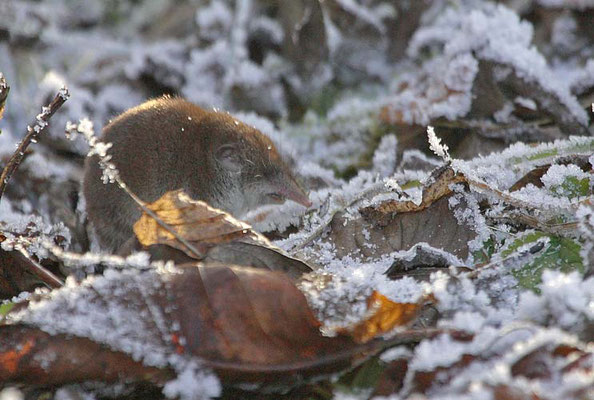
pixel 560 254
pixel 248 325
pixel 382 233
pixel 436 187
pixel 533 361
pixel 495 174
pixel 573 187
pixel 563 300
pixel 439 89
pixel 399 224
pixel 479 54
pixel 420 261
pixel 567 177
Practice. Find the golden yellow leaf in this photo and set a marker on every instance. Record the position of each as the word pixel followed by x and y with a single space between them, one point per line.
pixel 385 315
pixel 194 221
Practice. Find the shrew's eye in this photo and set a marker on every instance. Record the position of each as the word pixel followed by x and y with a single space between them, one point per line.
pixel 277 198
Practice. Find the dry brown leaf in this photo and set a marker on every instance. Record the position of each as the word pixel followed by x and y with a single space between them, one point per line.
pixel 29 355
pixel 532 177
pixel 385 315
pixel 437 187
pixel 247 324
pixel 14 276
pixel 214 234
pixel 195 221
pixel 391 231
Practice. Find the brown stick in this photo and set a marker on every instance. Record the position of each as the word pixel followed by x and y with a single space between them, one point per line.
pixel 38 270
pixel 32 136
pixel 159 221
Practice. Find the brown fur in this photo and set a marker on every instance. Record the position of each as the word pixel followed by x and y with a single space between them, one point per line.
pixel 169 143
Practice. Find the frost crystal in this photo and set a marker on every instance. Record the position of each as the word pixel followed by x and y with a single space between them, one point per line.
pixel 435 145
pixel 193 383
pixel 64 93
pixel 85 127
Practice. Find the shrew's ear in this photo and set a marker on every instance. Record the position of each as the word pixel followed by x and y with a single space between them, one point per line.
pixel 229 157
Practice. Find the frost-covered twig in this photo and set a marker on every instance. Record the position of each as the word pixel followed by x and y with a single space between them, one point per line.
pixel 112 175
pixel 75 260
pixel 527 250
pixel 41 122
pixel 566 229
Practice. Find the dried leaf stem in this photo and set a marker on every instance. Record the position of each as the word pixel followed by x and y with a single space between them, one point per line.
pixel 198 254
pixel 38 270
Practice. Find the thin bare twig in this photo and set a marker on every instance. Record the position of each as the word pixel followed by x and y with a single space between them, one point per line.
pixel 41 122
pixel 159 221
pixel 565 229
pixel 39 270
pixel 519 254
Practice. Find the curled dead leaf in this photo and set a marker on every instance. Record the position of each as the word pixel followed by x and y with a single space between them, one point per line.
pixel 437 186
pixel 206 233
pixel 395 225
pixel 194 221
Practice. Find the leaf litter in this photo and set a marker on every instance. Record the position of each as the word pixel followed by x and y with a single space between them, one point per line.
pixel 502 243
